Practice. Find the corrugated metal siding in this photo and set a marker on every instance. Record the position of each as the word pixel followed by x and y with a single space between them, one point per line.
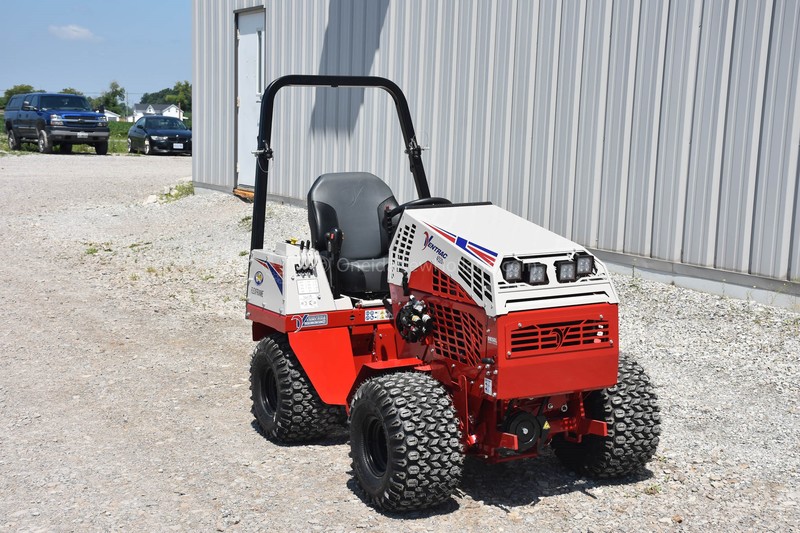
pixel 662 129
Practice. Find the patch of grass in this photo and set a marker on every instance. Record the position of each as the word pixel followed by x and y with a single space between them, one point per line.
pixel 181 190
pixel 243 253
pixel 134 277
pixel 207 277
pixel 652 490
pixel 92 250
pixel 151 270
pixel 246 223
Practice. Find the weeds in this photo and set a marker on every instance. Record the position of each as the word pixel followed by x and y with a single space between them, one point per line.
pixel 181 190
pixel 247 224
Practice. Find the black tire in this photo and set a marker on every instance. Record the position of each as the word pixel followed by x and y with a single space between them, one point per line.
pixel 45 144
pixel 13 143
pixel 634 423
pixel 147 146
pixel 65 148
pixel 285 404
pixel 405 442
pixel 130 146
pixel 101 148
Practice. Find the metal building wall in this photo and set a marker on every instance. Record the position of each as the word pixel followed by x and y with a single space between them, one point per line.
pixel 658 129
pixel 214 90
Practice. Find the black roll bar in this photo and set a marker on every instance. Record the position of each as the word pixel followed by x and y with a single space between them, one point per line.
pixel 264 152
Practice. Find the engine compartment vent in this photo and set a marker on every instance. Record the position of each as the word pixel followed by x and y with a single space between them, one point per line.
pixel 401 250
pixel 446 287
pixel 458 335
pixel 479 281
pixel 542 339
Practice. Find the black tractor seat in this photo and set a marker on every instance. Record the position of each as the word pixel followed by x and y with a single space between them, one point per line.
pixel 354 203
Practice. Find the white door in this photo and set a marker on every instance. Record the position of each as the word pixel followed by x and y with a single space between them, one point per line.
pixel 250 85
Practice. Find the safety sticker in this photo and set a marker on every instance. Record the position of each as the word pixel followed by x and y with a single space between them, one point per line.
pixel 372 315
pixel 487 386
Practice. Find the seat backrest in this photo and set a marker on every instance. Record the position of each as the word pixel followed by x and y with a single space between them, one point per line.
pixel 354 202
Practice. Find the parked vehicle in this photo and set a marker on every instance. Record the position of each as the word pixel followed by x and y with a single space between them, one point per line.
pixel 158 133
pixel 442 329
pixel 51 120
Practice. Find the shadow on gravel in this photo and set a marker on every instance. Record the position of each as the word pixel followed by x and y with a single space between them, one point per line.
pixel 336 438
pixel 510 485
pixel 524 483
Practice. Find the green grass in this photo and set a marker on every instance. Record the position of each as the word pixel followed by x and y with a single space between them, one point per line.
pixel 181 190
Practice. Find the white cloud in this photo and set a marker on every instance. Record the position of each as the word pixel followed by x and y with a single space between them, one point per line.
pixel 73 32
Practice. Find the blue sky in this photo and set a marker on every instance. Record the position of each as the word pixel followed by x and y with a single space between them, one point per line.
pixel 145 45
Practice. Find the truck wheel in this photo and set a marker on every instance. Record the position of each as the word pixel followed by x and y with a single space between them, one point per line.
pixel 13 144
pixel 130 147
pixel 285 404
pixel 45 144
pixel 65 148
pixel 101 148
pixel 405 441
pixel 630 410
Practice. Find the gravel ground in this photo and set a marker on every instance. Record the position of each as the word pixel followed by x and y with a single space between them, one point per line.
pixel 124 401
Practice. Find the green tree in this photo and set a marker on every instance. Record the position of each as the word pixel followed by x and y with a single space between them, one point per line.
pixel 181 95
pixel 18 89
pixel 112 100
pixel 70 90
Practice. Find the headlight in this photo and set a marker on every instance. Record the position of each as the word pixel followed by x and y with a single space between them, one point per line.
pixel 585 263
pixel 535 274
pixel 159 138
pixel 512 270
pixel 102 119
pixel 56 120
pixel 566 271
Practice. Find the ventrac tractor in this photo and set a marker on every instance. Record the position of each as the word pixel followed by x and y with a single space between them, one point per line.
pixel 439 330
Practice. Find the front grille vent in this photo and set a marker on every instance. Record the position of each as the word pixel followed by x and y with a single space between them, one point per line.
pixel 401 250
pixel 542 339
pixel 458 335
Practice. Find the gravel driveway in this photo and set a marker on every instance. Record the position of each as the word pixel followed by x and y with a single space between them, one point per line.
pixel 124 400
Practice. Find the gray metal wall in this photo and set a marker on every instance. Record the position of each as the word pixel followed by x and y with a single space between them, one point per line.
pixel 662 129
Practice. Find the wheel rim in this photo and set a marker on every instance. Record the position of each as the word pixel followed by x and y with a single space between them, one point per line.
pixel 376 447
pixel 146 146
pixel 130 149
pixel 41 141
pixel 11 139
pixel 269 393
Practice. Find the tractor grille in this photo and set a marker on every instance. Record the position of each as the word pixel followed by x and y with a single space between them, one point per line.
pixel 445 286
pixel 402 246
pixel 458 334
pixel 542 339
pixel 479 281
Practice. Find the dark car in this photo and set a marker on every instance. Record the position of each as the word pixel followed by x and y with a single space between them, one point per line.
pixel 157 133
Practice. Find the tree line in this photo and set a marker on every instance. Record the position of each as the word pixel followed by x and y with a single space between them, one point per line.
pixel 113 99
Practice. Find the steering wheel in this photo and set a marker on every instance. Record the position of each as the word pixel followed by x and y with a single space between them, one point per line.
pixel 391 213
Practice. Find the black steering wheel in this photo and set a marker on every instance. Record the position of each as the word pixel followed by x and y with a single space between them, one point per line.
pixel 389 214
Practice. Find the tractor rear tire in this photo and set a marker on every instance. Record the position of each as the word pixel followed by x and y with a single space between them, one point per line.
pixel 630 410
pixel 285 404
pixel 405 442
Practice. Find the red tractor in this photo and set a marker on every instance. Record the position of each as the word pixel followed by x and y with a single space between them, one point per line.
pixel 441 329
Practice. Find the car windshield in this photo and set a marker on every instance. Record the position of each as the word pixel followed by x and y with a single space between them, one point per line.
pixel 164 123
pixel 64 102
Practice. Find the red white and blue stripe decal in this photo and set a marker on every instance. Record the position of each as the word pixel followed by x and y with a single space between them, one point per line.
pixel 276 269
pixel 476 250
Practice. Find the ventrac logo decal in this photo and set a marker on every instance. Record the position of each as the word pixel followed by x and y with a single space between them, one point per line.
pixel 441 254
pixel 276 269
pixel 476 250
pixel 306 321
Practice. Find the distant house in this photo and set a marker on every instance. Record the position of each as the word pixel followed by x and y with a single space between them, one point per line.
pixel 111 116
pixel 170 110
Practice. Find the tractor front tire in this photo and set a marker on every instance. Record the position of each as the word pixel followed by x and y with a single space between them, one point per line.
pixel 285 404
pixel 632 415
pixel 405 442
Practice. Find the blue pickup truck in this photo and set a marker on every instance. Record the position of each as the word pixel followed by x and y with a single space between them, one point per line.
pixel 51 120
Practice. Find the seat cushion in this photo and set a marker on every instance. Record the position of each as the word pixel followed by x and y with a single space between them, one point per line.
pixel 363 275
